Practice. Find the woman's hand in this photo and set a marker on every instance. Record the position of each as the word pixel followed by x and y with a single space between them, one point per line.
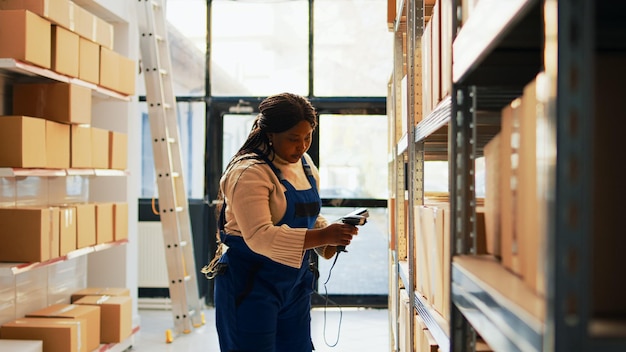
pixel 335 234
pixel 339 234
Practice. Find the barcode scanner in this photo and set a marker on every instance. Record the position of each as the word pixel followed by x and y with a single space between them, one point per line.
pixel 355 218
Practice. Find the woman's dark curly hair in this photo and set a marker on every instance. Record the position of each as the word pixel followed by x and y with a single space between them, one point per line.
pixel 277 113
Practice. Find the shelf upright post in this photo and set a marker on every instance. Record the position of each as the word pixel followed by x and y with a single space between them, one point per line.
pixel 397 172
pixel 415 149
pixel 569 50
pixel 461 154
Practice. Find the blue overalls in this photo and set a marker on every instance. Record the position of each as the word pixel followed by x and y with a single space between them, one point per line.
pixel 262 305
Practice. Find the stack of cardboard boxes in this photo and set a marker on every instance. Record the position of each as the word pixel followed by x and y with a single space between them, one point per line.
pixel 96 316
pixel 64 53
pixel 49 125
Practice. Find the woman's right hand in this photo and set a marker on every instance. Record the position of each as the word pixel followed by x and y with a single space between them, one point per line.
pixel 339 234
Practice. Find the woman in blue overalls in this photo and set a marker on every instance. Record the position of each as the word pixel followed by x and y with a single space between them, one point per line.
pixel 269 221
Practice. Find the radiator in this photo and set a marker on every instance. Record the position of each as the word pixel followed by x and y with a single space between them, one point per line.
pixel 152 262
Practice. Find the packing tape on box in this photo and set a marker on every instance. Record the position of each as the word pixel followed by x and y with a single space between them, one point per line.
pixel 103 299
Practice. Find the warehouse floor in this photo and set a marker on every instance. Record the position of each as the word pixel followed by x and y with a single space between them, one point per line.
pixel 350 330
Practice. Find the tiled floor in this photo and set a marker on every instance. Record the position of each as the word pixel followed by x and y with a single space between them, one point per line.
pixel 352 330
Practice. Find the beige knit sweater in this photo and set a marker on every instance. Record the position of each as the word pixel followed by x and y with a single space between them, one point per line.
pixel 255 201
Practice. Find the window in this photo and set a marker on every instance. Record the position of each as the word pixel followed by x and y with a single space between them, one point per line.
pixel 352 50
pixel 259 48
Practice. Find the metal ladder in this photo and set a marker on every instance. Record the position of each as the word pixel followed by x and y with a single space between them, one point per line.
pixel 173 204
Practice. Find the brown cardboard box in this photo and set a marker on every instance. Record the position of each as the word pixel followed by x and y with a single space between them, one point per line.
pixel 90 315
pixel 64 51
pixel 61 102
pixel 22 142
pixel 56 11
pixel 58 335
pixel 509 151
pixel 427 70
pixel 128 75
pixel 57 145
pixel 527 220
pixel 85 225
pixel 447 14
pixel 109 69
pixel 117 72
pixel 99 148
pixel 120 221
pixel 25 36
pixel 435 53
pixel 432 234
pixel 118 150
pixel 115 316
pixel 103 33
pixel 423 264
pixel 29 234
pixel 104 222
pixel 99 291
pixel 82 22
pixel 492 195
pixel 88 61
pixel 80 146
pixel 67 230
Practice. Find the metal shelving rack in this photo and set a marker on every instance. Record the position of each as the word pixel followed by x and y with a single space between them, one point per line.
pixel 502 47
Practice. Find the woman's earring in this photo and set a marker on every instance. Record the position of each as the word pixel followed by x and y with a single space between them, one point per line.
pixel 270 143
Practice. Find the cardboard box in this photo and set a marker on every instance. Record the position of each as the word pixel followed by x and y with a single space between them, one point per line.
pixel 90 315
pixel 57 335
pixel 25 36
pixel 57 145
pixel 128 75
pixel 99 148
pixel 56 11
pixel 103 33
pixel 29 234
pixel 85 225
pixel 67 230
pixel 21 345
pixel 117 72
pixel 104 222
pixel 65 51
pixel 88 61
pixel 118 150
pixel 115 316
pixel 80 146
pixel 22 142
pixel 60 102
pixel 492 195
pixel 99 291
pixel 527 219
pixel 120 221
pixel 508 153
pixel 82 22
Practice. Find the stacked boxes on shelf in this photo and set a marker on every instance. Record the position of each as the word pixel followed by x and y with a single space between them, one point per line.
pixel 66 38
pixel 95 316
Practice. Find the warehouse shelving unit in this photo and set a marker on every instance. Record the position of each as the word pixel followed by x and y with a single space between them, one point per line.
pixel 502 47
pixel 101 265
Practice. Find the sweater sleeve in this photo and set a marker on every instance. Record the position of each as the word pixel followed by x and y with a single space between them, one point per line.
pixel 255 203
